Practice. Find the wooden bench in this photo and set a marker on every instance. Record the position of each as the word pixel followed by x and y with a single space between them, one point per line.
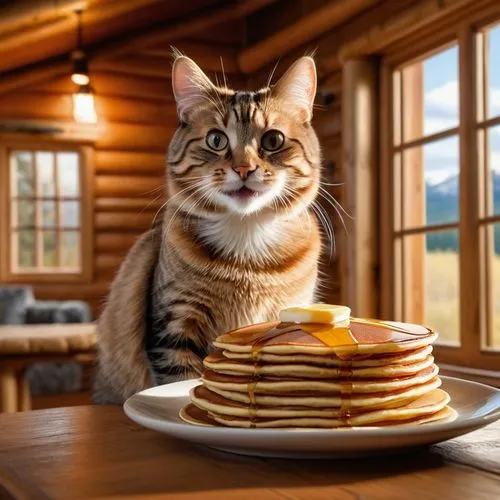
pixel 23 345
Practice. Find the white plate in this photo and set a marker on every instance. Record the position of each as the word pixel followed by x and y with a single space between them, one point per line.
pixel 158 408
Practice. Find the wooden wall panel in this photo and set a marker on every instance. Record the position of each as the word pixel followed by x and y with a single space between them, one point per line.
pixel 137 117
pixel 126 185
pixel 128 162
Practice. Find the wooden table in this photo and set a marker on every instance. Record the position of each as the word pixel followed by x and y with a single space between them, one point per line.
pixel 23 345
pixel 96 452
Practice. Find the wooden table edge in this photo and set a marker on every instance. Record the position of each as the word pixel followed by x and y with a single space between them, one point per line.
pixel 19 488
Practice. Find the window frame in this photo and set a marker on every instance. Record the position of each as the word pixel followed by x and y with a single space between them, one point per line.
pixel 473 281
pixel 9 142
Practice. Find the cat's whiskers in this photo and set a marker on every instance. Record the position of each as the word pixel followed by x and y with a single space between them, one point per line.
pixel 172 218
pixel 334 184
pixel 268 85
pixel 296 198
pixel 192 185
pixel 336 209
pixel 329 195
pixel 295 195
pixel 325 221
pixel 204 199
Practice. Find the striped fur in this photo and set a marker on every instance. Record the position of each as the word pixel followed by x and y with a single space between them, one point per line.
pixel 217 260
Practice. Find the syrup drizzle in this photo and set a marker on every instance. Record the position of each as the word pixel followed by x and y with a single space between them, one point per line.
pixel 327 337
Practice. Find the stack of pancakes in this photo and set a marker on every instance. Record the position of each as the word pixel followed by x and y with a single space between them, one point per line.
pixel 313 375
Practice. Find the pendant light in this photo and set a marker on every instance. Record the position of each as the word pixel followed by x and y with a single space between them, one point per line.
pixel 83 98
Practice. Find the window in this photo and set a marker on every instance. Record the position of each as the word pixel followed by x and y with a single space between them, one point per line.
pixel 441 166
pixel 45 213
pixel 488 130
pixel 426 191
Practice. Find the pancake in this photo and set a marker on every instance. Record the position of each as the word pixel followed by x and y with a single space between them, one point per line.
pixel 276 385
pixel 406 357
pixel 324 400
pixel 361 337
pixel 218 363
pixel 313 375
pixel 429 407
pixel 211 401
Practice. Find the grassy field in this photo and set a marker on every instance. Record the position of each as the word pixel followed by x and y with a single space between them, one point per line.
pixel 442 289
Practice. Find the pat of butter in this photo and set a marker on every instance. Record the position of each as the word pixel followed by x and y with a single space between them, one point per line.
pixel 317 313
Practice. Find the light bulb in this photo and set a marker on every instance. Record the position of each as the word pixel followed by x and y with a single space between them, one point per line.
pixel 83 107
pixel 80 78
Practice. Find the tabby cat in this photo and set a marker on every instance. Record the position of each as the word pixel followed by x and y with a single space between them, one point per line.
pixel 237 239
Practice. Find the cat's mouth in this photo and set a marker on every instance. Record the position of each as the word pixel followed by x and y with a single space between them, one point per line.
pixel 244 193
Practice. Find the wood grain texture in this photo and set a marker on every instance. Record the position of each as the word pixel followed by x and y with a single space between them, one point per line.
pixel 382 35
pixel 360 163
pixel 128 185
pixel 40 105
pixel 121 162
pixel 304 30
pixel 54 453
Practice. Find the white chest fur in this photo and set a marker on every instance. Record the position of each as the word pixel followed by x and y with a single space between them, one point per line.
pixel 247 238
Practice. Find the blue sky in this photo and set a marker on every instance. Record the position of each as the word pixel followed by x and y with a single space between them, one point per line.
pixel 441 109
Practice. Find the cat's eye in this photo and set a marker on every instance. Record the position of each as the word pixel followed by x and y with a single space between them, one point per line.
pixel 272 140
pixel 216 140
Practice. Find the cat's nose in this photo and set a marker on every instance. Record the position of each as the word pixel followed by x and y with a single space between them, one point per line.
pixel 244 171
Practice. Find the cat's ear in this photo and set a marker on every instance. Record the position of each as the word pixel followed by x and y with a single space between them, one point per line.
pixel 190 85
pixel 298 86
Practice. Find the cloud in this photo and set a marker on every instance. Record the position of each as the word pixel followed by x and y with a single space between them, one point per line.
pixel 442 100
pixel 441 111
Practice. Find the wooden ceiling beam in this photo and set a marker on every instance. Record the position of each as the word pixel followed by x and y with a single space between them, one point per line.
pixel 182 27
pixel 306 29
pixel 22 13
pixel 410 20
pixel 163 32
pixel 58 36
pixel 209 60
pixel 35 74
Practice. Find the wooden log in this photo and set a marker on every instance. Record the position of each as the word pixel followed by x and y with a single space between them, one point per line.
pixel 132 110
pixel 128 185
pixel 36 105
pixel 110 136
pixel 115 242
pixel 54 38
pixel 303 31
pixel 136 64
pixel 125 221
pixel 116 85
pixel 125 162
pixel 133 205
pixel 107 265
pixel 232 32
pixel 391 30
pixel 18 15
pixel 141 67
pixel 126 136
pixel 209 60
pixel 184 27
pixel 39 105
pixel 37 44
pixel 34 75
pixel 359 140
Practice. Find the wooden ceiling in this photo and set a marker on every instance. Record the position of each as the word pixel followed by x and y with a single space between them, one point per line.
pixel 36 38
